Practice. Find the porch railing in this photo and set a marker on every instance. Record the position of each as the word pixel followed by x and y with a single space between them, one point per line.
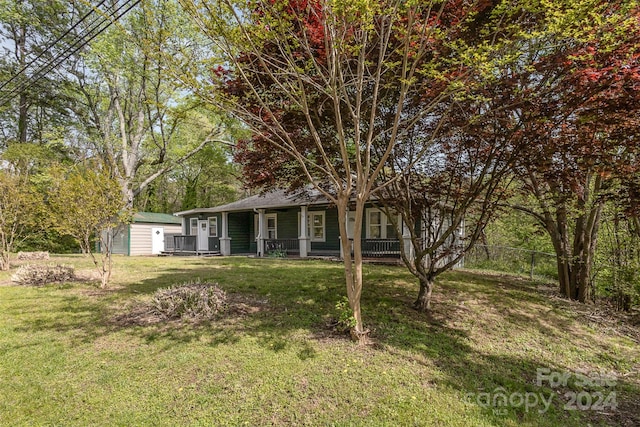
pixel 284 245
pixel 169 242
pixel 183 243
pixel 379 248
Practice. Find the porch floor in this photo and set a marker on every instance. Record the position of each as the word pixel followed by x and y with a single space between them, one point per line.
pixel 336 258
pixel 190 253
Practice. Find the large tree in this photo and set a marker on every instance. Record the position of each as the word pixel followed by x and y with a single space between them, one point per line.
pixel 329 88
pixel 441 205
pixel 33 101
pixel 130 102
pixel 581 134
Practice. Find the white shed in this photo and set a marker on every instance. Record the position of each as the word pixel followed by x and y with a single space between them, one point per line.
pixel 146 234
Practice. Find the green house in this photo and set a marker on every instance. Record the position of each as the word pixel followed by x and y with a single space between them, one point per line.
pixel 300 224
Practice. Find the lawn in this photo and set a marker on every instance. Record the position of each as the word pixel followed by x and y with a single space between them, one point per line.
pixel 72 354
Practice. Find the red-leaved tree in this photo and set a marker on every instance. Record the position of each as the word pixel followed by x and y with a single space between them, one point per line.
pixel 582 137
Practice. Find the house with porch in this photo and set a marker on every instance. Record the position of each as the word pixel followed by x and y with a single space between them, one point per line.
pixel 302 224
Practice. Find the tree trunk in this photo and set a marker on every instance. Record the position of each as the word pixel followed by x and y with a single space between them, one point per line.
pixel 560 238
pixel 423 303
pixel 353 266
pixel 4 261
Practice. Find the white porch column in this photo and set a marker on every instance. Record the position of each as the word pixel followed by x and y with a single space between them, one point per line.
pixel 406 241
pixel 225 240
pixel 303 239
pixel 184 226
pixel 262 232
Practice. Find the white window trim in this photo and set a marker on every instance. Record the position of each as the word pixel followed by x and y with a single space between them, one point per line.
pixel 384 223
pixel 193 229
pixel 213 227
pixel 310 226
pixel 266 226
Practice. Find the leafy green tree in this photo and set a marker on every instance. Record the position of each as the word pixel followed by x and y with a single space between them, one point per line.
pixel 332 88
pixel 21 212
pixel 581 131
pixel 617 263
pixel 87 204
pixel 131 104
pixel 208 178
pixel 34 104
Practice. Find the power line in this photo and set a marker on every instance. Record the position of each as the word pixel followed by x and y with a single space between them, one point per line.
pixel 48 48
pixel 94 29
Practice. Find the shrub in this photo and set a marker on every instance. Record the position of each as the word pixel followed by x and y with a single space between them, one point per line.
pixel 32 256
pixel 345 321
pixel 40 275
pixel 190 300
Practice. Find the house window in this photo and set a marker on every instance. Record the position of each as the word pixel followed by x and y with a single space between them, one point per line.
pixel 391 230
pixel 316 226
pixel 213 226
pixel 379 226
pixel 193 226
pixel 374 230
pixel 272 226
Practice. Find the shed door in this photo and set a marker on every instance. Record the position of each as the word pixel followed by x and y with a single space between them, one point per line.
pixel 203 235
pixel 157 240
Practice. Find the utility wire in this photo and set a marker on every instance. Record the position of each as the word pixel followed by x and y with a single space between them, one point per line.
pixel 50 47
pixel 80 41
pixel 94 29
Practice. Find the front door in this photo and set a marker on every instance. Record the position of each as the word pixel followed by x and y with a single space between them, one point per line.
pixel 203 235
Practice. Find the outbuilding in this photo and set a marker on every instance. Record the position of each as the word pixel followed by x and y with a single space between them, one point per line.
pixel 146 234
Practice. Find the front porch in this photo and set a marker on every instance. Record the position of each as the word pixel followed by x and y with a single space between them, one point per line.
pixel 185 245
pixel 283 225
pixel 371 248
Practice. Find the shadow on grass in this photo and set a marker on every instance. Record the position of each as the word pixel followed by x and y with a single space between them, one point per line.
pixel 289 306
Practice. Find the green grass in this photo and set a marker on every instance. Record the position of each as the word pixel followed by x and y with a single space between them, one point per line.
pixel 69 355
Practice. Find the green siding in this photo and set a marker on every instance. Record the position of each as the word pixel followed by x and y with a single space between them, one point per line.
pixel 203 216
pixel 287 223
pixel 188 224
pixel 120 242
pixel 253 245
pixel 331 230
pixel 219 217
pixel 240 227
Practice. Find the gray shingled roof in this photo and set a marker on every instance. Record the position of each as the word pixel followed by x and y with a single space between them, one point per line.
pixel 271 200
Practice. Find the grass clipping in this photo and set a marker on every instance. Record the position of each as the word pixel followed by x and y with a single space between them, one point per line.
pixel 40 275
pixel 193 301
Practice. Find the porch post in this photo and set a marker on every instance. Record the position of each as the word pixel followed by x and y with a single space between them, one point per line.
pixel 184 226
pixel 225 240
pixel 303 239
pixel 261 232
pixel 406 241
